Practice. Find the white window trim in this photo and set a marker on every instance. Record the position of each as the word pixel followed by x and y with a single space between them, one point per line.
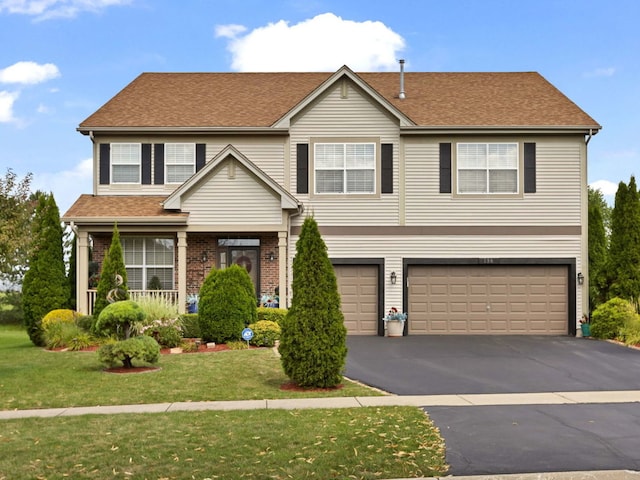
pixel 345 169
pixel 167 163
pixel 145 266
pixel 517 169
pixel 112 164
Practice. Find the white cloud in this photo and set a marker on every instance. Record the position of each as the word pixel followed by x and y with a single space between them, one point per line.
pixel 47 9
pixel 601 72
pixel 605 186
pixel 29 73
pixel 7 100
pixel 229 31
pixel 323 43
pixel 66 185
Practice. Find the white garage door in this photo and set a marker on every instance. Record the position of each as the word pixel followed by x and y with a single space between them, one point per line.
pixel 358 287
pixel 488 299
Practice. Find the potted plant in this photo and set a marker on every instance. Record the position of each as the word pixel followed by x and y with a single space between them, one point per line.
pixel 584 326
pixel 192 303
pixel 394 322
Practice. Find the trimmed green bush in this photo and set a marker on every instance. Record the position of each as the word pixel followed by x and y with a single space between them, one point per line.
pixel 142 348
pixel 265 333
pixel 227 304
pixel 86 322
pixel 121 319
pixel 168 333
pixel 272 314
pixel 60 315
pixel 190 325
pixel 630 330
pixel 610 317
pixel 313 342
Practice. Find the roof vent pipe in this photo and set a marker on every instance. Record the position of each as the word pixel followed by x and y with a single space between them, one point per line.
pixel 401 96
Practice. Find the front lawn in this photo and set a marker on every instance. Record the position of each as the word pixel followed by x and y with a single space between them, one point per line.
pixel 31 377
pixel 359 443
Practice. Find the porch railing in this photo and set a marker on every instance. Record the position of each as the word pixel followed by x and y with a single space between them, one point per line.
pixel 169 295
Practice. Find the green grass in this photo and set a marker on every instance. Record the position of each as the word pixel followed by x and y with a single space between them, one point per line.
pixel 361 443
pixel 32 377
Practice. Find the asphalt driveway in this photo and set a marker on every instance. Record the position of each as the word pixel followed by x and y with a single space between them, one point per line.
pixel 433 365
pixel 511 439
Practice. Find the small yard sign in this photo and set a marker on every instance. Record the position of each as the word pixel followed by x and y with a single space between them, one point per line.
pixel 247 334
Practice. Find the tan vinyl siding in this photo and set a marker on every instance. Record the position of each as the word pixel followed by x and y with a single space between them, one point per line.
pixel 230 195
pixel 266 152
pixel 338 116
pixel 556 201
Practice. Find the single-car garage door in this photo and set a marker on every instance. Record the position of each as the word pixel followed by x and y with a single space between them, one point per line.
pixel 488 299
pixel 358 287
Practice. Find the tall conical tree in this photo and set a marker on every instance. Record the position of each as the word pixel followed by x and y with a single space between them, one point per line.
pixel 112 268
pixel 624 251
pixel 313 339
pixel 598 277
pixel 45 286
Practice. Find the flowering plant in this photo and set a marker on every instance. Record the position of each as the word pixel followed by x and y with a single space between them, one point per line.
pixel 393 315
pixel 584 320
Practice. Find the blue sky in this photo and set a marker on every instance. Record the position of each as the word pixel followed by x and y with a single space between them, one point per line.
pixel 61 60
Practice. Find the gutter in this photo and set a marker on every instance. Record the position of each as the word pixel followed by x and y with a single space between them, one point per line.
pixel 184 130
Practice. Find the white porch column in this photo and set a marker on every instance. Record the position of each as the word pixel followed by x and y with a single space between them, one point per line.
pixel 283 261
pixel 182 272
pixel 82 272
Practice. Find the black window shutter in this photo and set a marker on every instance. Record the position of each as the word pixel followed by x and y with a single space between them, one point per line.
pixel 529 168
pixel 158 163
pixel 105 163
pixel 146 164
pixel 201 151
pixel 387 167
pixel 302 167
pixel 445 168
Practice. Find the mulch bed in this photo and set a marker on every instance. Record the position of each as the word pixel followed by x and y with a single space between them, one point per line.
pixel 292 387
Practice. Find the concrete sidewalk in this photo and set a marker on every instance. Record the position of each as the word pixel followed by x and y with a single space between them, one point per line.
pixel 549 398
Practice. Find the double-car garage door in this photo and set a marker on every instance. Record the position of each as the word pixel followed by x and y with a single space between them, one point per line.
pixel 488 299
pixel 462 299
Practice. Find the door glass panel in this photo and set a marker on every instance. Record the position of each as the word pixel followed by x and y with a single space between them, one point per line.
pixel 247 258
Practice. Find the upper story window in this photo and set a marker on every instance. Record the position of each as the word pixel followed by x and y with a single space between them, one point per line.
pixel 345 167
pixel 487 168
pixel 180 161
pixel 125 162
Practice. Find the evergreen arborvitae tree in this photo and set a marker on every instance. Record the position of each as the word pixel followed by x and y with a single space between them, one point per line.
pixel 313 340
pixel 598 277
pixel 227 304
pixel 624 250
pixel 45 285
pixel 112 266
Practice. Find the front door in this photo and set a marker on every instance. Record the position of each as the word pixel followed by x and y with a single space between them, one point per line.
pixel 249 258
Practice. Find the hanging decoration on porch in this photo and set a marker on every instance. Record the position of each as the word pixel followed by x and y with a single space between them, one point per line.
pixel 116 294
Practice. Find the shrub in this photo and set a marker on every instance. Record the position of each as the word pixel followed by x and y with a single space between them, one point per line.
pixel 67 335
pixel 237 345
pixel 60 315
pixel 608 318
pixel 121 319
pixel 630 330
pixel 190 325
pixel 142 348
pixel 157 307
pixel 86 322
pixel 11 308
pixel 168 333
pixel 313 342
pixel 271 314
pixel 265 333
pixel 227 304
pixel 113 275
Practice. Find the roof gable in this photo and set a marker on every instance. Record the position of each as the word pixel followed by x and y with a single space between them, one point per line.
pixel 174 201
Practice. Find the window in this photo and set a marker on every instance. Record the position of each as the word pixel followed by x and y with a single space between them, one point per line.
pixel 487 168
pixel 146 258
pixel 345 167
pixel 125 162
pixel 180 161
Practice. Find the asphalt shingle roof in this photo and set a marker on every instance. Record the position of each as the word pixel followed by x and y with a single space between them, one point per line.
pixel 516 99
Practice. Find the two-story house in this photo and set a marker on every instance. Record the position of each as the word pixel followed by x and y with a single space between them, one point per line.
pixel 460 198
